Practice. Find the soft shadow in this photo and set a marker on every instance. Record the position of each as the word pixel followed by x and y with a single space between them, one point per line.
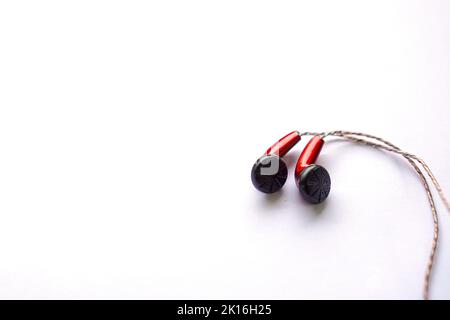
pixel 273 198
pixel 315 210
pixel 291 158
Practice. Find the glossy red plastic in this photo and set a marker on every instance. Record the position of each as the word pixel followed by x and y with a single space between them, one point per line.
pixel 309 154
pixel 282 146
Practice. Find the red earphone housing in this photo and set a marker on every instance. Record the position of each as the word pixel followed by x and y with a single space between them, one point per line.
pixel 282 146
pixel 309 154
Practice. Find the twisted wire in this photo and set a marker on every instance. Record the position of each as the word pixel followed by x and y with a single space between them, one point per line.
pixel 407 155
pixel 432 255
pixel 388 146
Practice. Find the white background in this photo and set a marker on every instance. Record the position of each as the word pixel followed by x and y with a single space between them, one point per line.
pixel 128 130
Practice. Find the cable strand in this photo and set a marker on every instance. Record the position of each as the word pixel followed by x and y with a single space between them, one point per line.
pixel 432 254
pixel 359 137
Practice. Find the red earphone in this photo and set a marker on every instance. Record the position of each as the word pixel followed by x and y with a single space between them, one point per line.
pixel 312 180
pixel 269 173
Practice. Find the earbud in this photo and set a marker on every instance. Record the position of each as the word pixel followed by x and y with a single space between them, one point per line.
pixel 312 180
pixel 269 173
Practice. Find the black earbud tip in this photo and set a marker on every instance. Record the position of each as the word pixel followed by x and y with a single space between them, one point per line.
pixel 314 183
pixel 269 173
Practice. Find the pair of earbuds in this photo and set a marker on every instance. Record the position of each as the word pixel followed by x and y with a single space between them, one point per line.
pixel 270 172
